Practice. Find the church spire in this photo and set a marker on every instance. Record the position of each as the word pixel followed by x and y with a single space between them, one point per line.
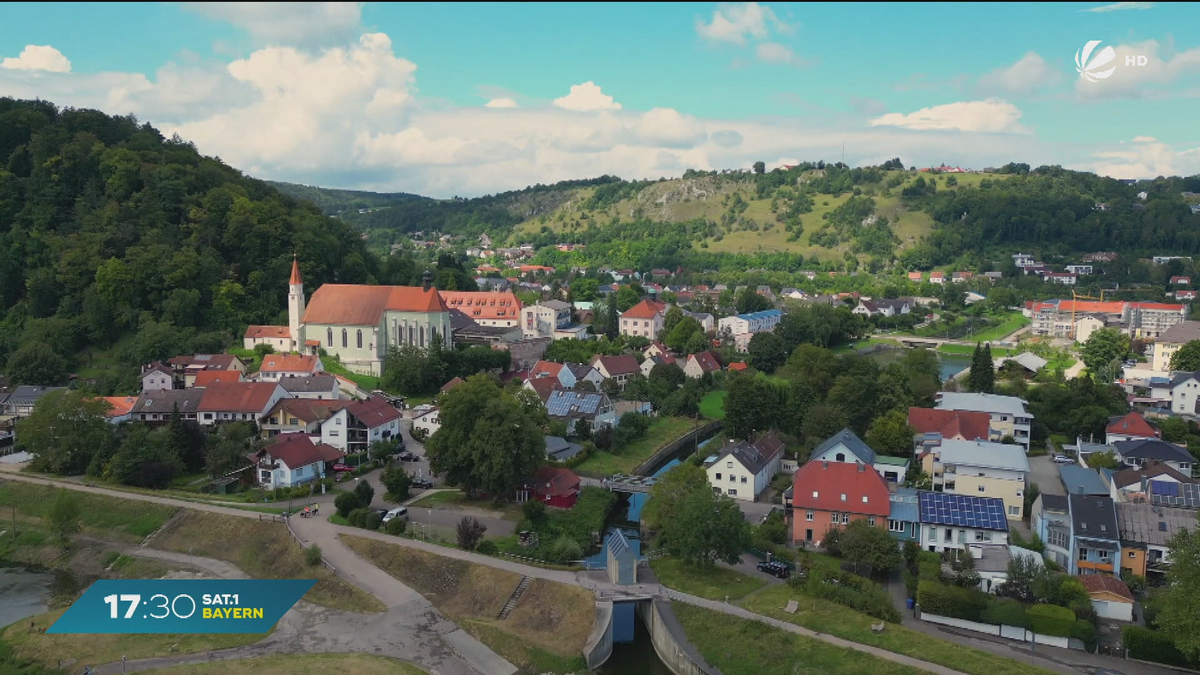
pixel 295 272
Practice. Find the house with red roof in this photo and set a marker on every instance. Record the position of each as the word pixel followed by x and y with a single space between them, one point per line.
pixel 120 408
pixel 656 348
pixel 937 278
pixel 185 368
pixel 644 319
pixel 543 386
pixel 359 424
pixel 737 367
pixel 699 364
pixel 827 494
pixel 486 308
pixel 278 338
pixel 937 425
pixel 555 486
pixel 1129 427
pixel 914 276
pixel 238 401
pixel 1111 598
pixel 619 368
pixel 295 459
pixel 277 366
pixel 555 371
pixel 650 362
pixel 205 378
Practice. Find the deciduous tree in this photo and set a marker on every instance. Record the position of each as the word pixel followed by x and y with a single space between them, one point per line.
pixel 1103 347
pixel 767 351
pixel 861 543
pixel 65 430
pixel 64 515
pixel 1187 358
pixel 890 434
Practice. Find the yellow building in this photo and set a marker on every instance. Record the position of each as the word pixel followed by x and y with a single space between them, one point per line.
pixel 1171 340
pixel 980 469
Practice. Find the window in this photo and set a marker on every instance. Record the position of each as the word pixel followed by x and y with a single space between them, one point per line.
pixel 360 338
pixel 841 457
pixel 1103 555
pixel 1014 510
pixel 983 536
pixel 743 479
pixel 718 476
pixel 814 494
pixel 1083 554
pixel 845 518
pixel 932 534
pixel 345 339
pixel 834 518
pixel 864 499
pixel 896 525
pixel 808 515
pixel 843 496
pixel 732 478
pixel 335 434
pixel 422 334
pixel 329 336
pixel 871 521
pixel 728 465
pixel 981 488
pixel 1133 554
pixel 732 492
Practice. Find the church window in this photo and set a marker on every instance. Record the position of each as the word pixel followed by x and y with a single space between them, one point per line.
pixel 345 339
pixel 422 336
pixel 360 338
pixel 329 336
pixel 410 335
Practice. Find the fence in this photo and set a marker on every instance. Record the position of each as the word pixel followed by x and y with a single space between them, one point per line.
pixel 1007 632
pixel 324 562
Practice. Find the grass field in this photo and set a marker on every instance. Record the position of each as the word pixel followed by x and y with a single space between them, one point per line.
pixel 335 367
pixel 545 632
pixel 299 664
pixel 739 646
pixel 662 431
pixel 1011 323
pixel 712 405
pixel 714 583
pixel 263 550
pixel 98 649
pixel 453 498
pixel 968 350
pixel 98 514
pixel 843 622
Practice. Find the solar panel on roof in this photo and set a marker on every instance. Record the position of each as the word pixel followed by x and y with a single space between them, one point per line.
pixel 1185 495
pixel 963 511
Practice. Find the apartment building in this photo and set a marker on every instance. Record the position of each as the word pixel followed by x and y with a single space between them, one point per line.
pixel 1009 414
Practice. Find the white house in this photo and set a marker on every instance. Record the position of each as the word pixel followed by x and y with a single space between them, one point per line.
pixel 954 522
pixel 321 387
pixel 545 318
pixel 278 366
pixel 844 446
pixel 353 428
pixel 754 322
pixel 651 361
pixel 643 319
pixel 1111 598
pixel 618 368
pixel 743 470
pixel 698 364
pixel 706 320
pixel 1079 269
pixel 295 459
pixel 1061 278
pixel 555 371
pixel 571 406
pixel 157 377
pixel 238 401
pixel 427 420
pixel 1185 393
pixel 1009 414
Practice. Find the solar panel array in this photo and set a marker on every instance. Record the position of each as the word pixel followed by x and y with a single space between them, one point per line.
pixel 1183 495
pixel 940 508
pixel 561 403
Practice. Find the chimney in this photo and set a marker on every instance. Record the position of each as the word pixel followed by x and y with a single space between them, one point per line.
pixel 862 468
pixel 825 464
pixel 426 279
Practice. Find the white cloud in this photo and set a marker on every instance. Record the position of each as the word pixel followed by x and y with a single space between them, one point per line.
pixel 38 57
pixel 667 128
pixel 1163 67
pixel 992 115
pixel 773 52
pixel 501 103
pixel 1119 6
pixel 735 23
pixel 307 24
pixel 585 97
pixel 1144 158
pixel 1026 76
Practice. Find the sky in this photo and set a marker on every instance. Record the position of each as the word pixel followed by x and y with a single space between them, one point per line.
pixel 471 99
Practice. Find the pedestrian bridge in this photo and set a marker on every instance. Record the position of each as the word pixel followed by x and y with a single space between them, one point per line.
pixel 629 484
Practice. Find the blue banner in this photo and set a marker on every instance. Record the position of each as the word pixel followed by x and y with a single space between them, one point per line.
pixel 182 606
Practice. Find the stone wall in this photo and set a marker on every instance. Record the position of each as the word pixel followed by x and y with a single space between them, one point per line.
pixel 670 641
pixel 600 643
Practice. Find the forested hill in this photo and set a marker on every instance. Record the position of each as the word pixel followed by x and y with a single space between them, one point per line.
pixel 336 202
pixel 110 232
pixel 824 212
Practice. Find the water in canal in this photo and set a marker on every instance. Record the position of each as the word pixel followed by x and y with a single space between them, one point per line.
pixel 26 592
pixel 952 364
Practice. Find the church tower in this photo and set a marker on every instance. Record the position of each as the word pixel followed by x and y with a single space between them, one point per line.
pixel 296 306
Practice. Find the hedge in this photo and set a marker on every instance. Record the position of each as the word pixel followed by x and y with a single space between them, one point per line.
pixel 1006 612
pixel 853 591
pixel 1051 620
pixel 1151 645
pixel 958 603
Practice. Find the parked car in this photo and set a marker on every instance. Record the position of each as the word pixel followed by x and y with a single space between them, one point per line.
pixel 422 483
pixel 382 512
pixel 775 569
pixel 409 457
pixel 1063 459
pixel 398 512
pixel 340 468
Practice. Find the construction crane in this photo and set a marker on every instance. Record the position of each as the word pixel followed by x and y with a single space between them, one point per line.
pixel 1075 297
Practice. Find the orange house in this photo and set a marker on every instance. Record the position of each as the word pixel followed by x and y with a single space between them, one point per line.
pixel 826 495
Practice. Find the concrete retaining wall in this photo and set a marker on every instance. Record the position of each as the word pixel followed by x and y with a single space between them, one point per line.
pixel 600 643
pixel 670 641
pixel 1009 632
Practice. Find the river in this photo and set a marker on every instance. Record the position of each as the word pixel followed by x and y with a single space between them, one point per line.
pixel 26 592
pixel 952 364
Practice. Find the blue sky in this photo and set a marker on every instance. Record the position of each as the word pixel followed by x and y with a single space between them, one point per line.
pixel 392 96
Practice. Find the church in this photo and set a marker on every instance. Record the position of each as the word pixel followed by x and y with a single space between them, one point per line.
pixel 358 324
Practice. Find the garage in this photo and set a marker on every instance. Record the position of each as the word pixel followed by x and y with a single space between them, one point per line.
pixel 1111 598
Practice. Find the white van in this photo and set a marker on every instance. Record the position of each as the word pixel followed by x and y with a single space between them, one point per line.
pixel 398 512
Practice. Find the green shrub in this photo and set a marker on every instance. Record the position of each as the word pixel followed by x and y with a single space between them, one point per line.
pixel 857 593
pixel 396 526
pixel 929 567
pixel 312 555
pixel 952 601
pixel 345 503
pixel 1051 620
pixel 910 583
pixel 1007 612
pixel 565 549
pixel 486 547
pixel 1151 645
pixel 358 517
pixel 374 520
pixel 1085 631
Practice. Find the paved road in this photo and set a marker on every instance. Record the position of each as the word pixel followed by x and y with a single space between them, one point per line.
pixel 1044 472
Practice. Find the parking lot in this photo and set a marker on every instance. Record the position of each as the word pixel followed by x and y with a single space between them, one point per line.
pixel 1044 472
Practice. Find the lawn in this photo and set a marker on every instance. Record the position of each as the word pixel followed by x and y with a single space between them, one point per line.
pixel 335 367
pixel 264 550
pixel 550 623
pixel 843 622
pixel 712 405
pixel 299 664
pixel 714 583
pixel 970 349
pixel 1012 322
pixel 662 431
pixel 97 649
pixel 739 646
pixel 451 499
pixel 100 514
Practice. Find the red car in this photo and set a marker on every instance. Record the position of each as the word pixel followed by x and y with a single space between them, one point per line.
pixel 339 467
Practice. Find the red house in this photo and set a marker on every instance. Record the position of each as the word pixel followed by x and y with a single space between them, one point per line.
pixel 555 486
pixel 826 495
pixel 1128 428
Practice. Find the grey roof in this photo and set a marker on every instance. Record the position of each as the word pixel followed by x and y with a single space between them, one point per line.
pixel 28 395
pixel 852 442
pixel 310 383
pixel 1179 378
pixel 746 454
pixel 1093 517
pixel 993 558
pixel 555 304
pixel 165 401
pixel 570 404
pixel 1152 448
pixel 1152 525
pixel 1082 480
pixel 983 454
pixel 896 304
pixel 579 370
pixel 905 506
pixel 1053 502
pixel 1180 333
pixel 989 403
pixel 559 448
pixel 1028 361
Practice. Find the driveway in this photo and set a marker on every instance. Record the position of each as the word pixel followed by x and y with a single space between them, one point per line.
pixel 1044 472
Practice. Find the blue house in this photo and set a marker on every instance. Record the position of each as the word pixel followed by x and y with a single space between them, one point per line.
pixel 1079 480
pixel 1095 536
pixel 904 519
